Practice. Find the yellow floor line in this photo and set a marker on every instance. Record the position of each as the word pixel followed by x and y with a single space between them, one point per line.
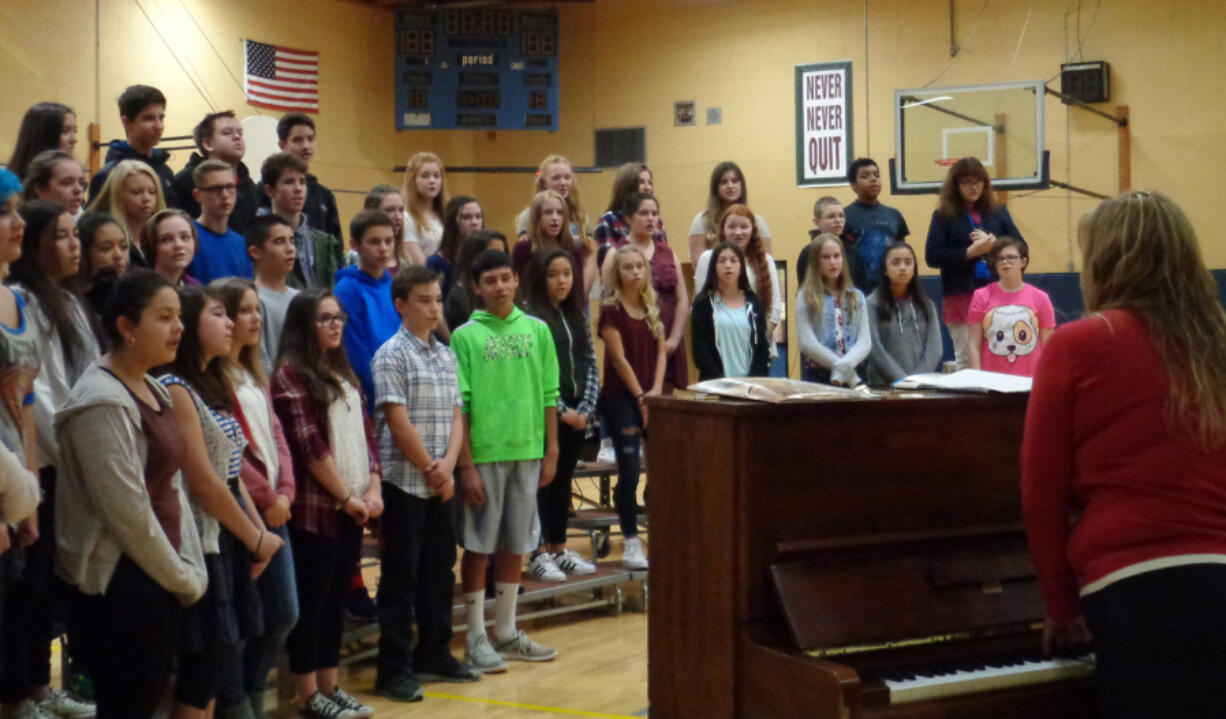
pixel 529 707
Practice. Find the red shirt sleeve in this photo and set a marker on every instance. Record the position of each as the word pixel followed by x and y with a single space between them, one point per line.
pixel 1047 472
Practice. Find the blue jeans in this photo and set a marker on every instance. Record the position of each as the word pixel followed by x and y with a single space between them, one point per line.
pixel 621 417
pixel 245 671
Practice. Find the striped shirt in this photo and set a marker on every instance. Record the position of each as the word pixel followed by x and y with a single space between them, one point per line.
pixel 224 442
pixel 422 377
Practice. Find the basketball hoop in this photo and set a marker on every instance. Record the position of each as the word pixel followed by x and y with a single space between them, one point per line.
pixel 947 161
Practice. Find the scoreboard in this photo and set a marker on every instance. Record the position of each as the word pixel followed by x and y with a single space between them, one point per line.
pixel 476 69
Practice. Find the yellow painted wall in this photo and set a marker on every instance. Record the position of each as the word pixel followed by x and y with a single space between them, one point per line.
pixel 624 62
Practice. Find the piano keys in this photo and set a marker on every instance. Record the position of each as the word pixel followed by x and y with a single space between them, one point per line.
pixel 846 559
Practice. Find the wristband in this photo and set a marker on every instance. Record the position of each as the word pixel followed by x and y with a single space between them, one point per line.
pixel 258 542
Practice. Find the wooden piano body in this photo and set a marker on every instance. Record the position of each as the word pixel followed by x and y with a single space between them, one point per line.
pixel 749 495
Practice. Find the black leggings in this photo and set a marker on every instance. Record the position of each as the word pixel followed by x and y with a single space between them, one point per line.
pixel 553 500
pixel 1159 639
pixel 31 605
pixel 127 639
pixel 323 568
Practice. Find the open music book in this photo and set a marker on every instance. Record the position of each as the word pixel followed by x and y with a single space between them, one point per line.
pixel 967 380
pixel 779 389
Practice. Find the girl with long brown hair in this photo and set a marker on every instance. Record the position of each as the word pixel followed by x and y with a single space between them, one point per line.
pixel 964 226
pixel 727 187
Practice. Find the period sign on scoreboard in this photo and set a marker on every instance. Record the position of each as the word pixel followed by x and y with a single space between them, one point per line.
pixel 477 69
pixel 823 123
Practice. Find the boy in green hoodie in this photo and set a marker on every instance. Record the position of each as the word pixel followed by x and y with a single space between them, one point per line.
pixel 508 373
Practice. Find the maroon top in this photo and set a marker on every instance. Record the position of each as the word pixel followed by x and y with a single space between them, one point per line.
pixel 521 256
pixel 639 345
pixel 664 280
pixel 164 458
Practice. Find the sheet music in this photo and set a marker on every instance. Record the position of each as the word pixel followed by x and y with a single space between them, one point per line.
pixel 967 380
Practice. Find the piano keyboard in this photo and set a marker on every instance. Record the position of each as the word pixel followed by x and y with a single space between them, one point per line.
pixel 971 677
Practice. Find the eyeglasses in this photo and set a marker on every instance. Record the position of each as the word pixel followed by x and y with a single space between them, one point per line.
pixel 325 319
pixel 1008 259
pixel 220 189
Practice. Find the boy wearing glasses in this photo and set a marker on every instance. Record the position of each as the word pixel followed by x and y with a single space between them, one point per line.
pixel 365 293
pixel 221 252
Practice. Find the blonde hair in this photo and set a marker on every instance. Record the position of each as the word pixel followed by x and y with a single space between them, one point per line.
pixel 110 197
pixel 648 294
pixel 574 206
pixel 814 287
pixel 1141 255
pixel 438 205
pixel 565 239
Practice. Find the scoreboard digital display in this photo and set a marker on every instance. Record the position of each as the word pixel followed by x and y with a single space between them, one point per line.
pixel 476 69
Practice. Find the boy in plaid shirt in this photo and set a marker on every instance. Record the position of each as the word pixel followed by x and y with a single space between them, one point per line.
pixel 417 400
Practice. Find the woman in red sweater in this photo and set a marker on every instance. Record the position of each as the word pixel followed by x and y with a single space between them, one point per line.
pixel 1124 466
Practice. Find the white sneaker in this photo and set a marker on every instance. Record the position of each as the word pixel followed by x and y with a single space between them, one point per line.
pixel 28 710
pixel 523 649
pixel 633 556
pixel 59 704
pixel 542 567
pixel 570 562
pixel 606 454
pixel 482 657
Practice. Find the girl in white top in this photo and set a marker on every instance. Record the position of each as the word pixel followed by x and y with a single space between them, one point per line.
pixel 425 198
pixel 555 174
pixel 727 188
pixel 831 317
pixel 736 224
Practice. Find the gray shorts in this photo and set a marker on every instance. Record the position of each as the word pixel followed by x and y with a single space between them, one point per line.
pixel 508 520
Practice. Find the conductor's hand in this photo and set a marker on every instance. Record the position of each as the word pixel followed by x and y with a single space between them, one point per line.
pixel 1060 637
pixel 471 487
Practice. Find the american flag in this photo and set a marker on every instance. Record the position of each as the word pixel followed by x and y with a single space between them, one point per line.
pixel 281 78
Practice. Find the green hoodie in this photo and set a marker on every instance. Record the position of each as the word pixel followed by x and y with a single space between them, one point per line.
pixel 508 378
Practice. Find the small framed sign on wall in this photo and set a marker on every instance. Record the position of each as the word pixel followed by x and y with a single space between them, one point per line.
pixel 823 123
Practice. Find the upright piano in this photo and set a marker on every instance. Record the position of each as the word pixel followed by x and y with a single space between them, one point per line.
pixel 848 558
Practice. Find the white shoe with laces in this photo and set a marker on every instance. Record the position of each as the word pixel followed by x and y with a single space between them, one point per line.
pixel 570 562
pixel 542 568
pixel 59 704
pixel 633 556
pixel 523 649
pixel 606 454
pixel 482 657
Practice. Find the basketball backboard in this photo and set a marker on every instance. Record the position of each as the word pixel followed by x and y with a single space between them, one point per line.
pixel 1001 124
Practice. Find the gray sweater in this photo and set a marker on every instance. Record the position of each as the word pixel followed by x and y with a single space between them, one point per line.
pixel 907 342
pixel 102 508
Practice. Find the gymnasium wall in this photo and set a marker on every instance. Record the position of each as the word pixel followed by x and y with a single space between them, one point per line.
pixel 624 63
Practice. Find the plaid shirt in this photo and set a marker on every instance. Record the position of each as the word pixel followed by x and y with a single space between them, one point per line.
pixel 612 229
pixel 422 377
pixel 305 420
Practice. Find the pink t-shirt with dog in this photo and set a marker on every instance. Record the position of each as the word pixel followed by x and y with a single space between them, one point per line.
pixel 1011 322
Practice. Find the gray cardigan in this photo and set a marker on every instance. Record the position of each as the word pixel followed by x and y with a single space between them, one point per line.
pixel 907 342
pixel 102 508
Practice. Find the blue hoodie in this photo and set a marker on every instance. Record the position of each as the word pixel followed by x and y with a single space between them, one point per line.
pixel 372 321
